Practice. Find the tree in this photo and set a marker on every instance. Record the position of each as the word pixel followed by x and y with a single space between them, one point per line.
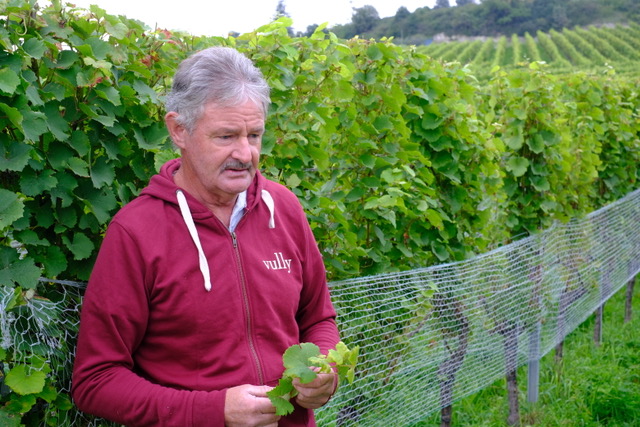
pixel 441 4
pixel 542 13
pixel 280 12
pixel 559 18
pixel 402 13
pixel 364 18
pixel 464 2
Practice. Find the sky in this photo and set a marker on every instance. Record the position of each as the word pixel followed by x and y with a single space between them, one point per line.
pixel 219 17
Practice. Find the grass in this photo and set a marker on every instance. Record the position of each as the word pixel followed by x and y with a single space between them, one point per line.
pixel 592 386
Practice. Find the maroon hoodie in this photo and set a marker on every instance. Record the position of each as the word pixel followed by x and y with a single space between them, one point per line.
pixel 156 348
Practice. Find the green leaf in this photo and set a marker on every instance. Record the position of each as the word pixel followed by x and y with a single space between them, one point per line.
pixel 8 417
pixel 33 95
pixel 368 160
pixel 517 166
pixel 344 90
pixel 13 270
pixel 355 194
pixel 34 124
pixel 536 144
pixel 282 405
pixel 281 394
pixel 293 180
pixel 34 47
pixel 14 155
pixel 374 53
pixel 11 208
pixel 151 137
pixel 81 246
pixel 385 201
pixel 54 261
pixel 382 123
pixel 431 121
pixel 145 92
pixel 20 405
pixel 25 380
pixel 78 166
pixel 434 218
pixel 66 58
pixel 540 183
pixel 99 48
pixel 102 173
pixel 514 142
pixel 320 157
pixel 32 184
pixel 12 113
pixel 109 93
pixel 59 155
pixel 49 394
pixel 9 80
pixel 117 30
pixel 56 123
pixel 80 142
pixel 102 203
pixel 296 361
pixel 106 120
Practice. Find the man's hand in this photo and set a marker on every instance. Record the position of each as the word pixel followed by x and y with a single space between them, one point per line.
pixel 316 393
pixel 248 405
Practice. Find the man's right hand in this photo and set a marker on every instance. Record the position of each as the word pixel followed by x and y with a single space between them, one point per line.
pixel 248 405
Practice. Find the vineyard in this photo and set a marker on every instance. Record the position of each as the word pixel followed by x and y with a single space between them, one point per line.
pixel 429 182
pixel 592 49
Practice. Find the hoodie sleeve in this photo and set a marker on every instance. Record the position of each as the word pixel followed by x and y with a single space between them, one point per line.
pixel 316 315
pixel 113 322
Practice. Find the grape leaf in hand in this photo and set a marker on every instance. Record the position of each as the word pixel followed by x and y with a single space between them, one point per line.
pixel 299 360
pixel 296 361
pixel 281 394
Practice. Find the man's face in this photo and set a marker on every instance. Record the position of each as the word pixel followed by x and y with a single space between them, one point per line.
pixel 221 155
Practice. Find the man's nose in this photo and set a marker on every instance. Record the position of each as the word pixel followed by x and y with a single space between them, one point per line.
pixel 243 150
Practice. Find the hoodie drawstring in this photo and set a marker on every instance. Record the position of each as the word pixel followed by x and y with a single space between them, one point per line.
pixel 268 200
pixel 188 220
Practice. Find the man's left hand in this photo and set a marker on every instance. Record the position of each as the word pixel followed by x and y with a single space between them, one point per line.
pixel 316 393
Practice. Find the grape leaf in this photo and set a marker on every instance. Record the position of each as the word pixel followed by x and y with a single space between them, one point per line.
pixel 296 361
pixel 25 381
pixel 281 394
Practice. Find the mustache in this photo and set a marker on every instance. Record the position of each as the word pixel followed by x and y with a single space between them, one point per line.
pixel 237 165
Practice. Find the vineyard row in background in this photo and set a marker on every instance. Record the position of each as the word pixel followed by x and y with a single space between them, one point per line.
pixel 400 160
pixel 572 49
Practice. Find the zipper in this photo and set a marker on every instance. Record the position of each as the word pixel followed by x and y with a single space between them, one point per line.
pixel 245 298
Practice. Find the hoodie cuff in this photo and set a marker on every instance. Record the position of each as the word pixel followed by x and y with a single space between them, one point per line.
pixel 208 409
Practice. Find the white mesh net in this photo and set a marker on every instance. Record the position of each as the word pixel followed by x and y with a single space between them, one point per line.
pixel 427 337
pixel 432 336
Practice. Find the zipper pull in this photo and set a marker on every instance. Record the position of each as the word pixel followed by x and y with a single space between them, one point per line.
pixel 235 240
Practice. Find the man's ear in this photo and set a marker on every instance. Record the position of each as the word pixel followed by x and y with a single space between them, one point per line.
pixel 177 132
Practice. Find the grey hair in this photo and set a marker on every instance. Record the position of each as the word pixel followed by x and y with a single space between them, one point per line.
pixel 219 75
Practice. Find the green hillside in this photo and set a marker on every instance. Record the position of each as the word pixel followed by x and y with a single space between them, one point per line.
pixel 591 49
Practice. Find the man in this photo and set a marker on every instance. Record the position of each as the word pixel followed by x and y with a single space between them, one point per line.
pixel 205 279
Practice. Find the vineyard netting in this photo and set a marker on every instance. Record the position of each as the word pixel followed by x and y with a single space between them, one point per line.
pixel 431 336
pixel 427 337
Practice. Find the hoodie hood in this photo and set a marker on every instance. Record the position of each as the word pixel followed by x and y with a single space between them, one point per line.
pixel 163 186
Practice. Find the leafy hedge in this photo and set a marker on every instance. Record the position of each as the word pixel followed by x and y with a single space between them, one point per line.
pixel 401 161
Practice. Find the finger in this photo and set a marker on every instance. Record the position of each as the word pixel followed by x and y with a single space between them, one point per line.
pixel 260 391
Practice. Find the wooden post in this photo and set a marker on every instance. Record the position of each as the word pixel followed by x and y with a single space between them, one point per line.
pixel 628 307
pixel 534 365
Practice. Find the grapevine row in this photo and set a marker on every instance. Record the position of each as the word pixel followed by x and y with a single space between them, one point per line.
pixel 585 49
